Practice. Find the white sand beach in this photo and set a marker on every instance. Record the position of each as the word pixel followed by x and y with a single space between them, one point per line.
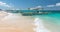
pixel 15 23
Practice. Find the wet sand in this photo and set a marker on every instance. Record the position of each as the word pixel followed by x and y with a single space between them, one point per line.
pixel 52 27
pixel 16 23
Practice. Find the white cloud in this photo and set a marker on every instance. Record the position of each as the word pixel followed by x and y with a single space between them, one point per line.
pixel 50 5
pixel 57 4
pixel 4 4
pixel 38 6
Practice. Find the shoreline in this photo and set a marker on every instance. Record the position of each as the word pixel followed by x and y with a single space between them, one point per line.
pixel 15 22
pixel 40 26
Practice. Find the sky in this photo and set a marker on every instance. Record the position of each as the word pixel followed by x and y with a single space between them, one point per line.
pixel 24 4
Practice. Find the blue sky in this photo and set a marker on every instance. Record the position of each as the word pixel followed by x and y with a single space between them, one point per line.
pixel 23 4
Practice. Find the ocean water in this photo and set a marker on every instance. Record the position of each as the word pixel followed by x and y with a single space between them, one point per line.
pixel 52 18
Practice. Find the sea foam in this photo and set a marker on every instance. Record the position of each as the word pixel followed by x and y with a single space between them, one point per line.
pixel 40 27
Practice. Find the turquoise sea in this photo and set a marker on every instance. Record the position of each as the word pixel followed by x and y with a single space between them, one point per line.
pixel 53 18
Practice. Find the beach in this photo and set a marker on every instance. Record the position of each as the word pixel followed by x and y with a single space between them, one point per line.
pixel 11 22
pixel 15 22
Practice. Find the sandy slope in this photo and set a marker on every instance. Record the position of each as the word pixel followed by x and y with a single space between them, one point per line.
pixel 15 23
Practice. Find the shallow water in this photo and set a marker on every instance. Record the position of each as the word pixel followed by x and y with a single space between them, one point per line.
pixel 50 21
pixel 52 18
